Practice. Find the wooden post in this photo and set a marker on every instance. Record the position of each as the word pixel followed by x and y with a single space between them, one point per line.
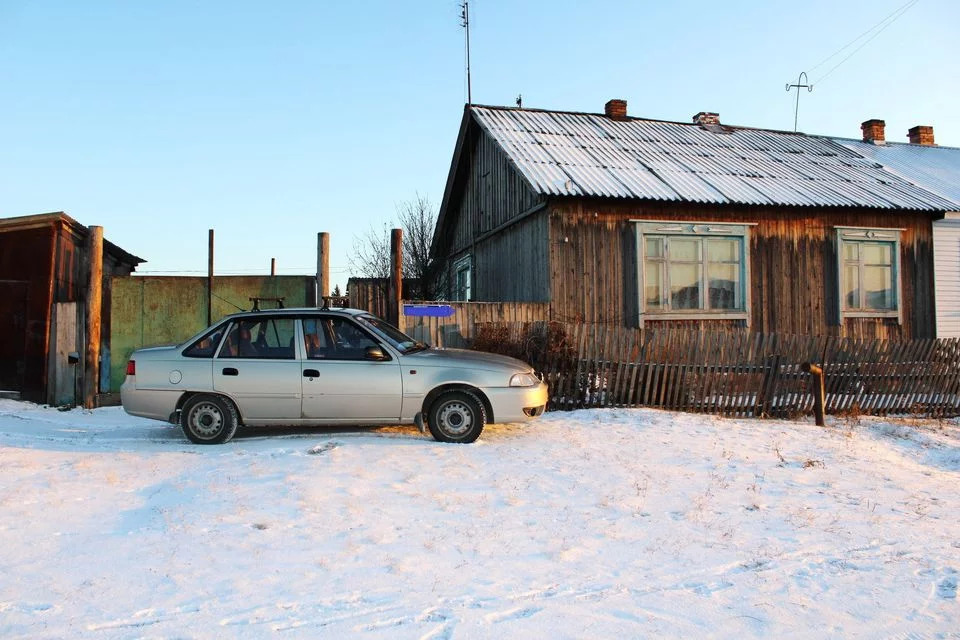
pixel 818 390
pixel 210 278
pixel 323 266
pixel 91 378
pixel 273 266
pixel 395 289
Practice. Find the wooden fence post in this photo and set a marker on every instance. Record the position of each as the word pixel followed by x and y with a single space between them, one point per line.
pixel 323 266
pixel 396 276
pixel 91 378
pixel 818 392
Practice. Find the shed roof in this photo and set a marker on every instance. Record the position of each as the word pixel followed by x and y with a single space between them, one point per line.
pixel 592 155
pixel 19 223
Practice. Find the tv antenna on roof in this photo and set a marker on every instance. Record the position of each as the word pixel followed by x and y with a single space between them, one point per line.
pixel 465 23
pixel 800 85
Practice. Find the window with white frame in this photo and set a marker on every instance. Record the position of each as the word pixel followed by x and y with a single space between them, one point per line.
pixel 869 272
pixel 693 269
pixel 462 276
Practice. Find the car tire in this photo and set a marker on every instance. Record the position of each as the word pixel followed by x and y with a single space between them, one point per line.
pixel 456 416
pixel 208 419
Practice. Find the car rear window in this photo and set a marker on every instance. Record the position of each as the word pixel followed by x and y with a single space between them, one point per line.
pixel 205 346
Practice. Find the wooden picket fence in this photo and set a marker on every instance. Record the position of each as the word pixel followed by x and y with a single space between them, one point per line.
pixel 730 373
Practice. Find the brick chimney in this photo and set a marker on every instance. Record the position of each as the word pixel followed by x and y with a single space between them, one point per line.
pixel 873 130
pixel 921 134
pixel 705 118
pixel 616 109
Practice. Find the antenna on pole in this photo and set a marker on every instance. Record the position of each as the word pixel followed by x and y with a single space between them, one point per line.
pixel 801 79
pixel 465 23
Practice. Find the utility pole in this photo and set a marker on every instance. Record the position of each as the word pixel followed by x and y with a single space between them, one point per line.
pixel 465 23
pixel 802 83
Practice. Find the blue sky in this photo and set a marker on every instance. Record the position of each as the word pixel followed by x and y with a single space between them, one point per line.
pixel 270 122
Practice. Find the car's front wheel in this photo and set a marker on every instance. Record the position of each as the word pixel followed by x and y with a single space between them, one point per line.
pixel 456 416
pixel 208 419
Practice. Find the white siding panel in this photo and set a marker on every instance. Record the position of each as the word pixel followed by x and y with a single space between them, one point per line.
pixel 946 270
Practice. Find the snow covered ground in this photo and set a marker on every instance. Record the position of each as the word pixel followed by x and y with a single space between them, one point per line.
pixel 599 524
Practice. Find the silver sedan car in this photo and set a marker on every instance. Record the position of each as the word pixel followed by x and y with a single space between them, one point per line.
pixel 325 367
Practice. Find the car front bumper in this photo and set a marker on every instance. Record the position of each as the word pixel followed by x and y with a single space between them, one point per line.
pixel 516 404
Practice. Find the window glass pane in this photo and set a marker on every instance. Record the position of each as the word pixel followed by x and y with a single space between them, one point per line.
pixel 315 338
pixel 723 250
pixel 723 285
pixel 653 284
pixel 877 253
pixel 684 249
pixel 654 248
pixel 347 340
pixel 851 251
pixel 878 286
pixel 205 346
pixel 684 286
pixel 851 287
pixel 263 339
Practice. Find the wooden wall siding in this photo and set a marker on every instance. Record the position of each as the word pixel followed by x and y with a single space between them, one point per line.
pixel 734 373
pixel 793 282
pixel 512 265
pixel 458 330
pixel 492 194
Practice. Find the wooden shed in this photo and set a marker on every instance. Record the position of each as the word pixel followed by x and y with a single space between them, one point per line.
pixel 635 222
pixel 44 267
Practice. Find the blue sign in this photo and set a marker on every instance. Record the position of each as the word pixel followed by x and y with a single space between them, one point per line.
pixel 428 310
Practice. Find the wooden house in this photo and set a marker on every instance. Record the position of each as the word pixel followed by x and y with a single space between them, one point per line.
pixel 44 268
pixel 627 221
pixel 937 169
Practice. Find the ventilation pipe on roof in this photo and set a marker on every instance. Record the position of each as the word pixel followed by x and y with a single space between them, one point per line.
pixel 873 131
pixel 921 134
pixel 616 109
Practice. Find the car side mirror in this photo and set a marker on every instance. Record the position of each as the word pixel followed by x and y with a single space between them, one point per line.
pixel 375 353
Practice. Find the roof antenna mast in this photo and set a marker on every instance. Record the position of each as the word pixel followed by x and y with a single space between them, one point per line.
pixel 801 80
pixel 465 23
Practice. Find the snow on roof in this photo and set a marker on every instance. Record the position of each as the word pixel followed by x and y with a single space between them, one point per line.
pixel 581 154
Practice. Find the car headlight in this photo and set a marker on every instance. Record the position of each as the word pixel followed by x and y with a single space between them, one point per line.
pixel 523 380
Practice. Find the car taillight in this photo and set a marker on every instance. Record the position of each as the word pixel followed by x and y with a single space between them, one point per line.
pixel 131 368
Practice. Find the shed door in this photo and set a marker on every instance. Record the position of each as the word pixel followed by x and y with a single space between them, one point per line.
pixel 946 269
pixel 13 329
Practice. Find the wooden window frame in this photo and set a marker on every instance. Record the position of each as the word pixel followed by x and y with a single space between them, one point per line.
pixel 673 228
pixel 861 235
pixel 463 264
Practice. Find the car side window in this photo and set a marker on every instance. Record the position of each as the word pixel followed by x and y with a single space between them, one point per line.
pixel 261 339
pixel 205 346
pixel 335 338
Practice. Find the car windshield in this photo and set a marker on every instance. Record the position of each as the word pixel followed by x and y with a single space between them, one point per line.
pixel 397 339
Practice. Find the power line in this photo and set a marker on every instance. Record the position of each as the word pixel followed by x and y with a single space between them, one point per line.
pixel 876 30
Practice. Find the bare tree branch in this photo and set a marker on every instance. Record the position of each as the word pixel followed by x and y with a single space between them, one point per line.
pixel 371 251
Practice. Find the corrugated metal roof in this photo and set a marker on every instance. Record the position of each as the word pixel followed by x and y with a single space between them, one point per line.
pixel 934 168
pixel 579 154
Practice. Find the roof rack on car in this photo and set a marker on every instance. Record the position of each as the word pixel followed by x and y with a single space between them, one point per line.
pixel 256 302
pixel 335 301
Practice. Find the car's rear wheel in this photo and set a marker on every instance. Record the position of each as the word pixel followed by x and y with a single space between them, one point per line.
pixel 456 416
pixel 208 419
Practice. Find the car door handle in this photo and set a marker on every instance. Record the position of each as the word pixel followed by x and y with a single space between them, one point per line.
pixel 230 371
pixel 311 373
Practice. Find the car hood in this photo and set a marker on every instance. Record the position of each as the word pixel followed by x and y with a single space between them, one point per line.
pixel 479 359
